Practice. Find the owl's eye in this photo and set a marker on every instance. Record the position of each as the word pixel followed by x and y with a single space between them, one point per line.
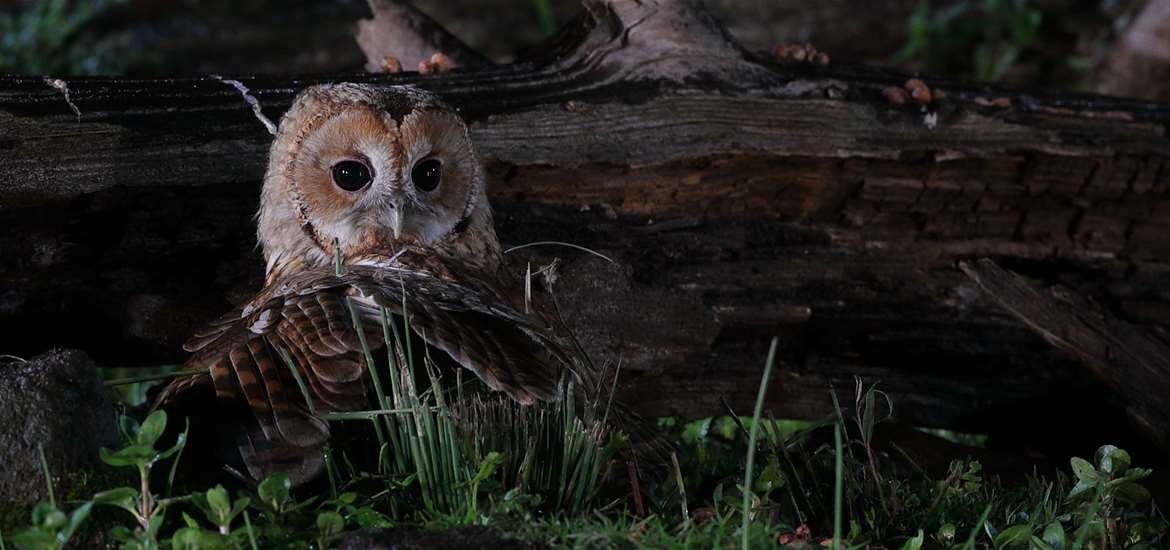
pixel 351 175
pixel 426 174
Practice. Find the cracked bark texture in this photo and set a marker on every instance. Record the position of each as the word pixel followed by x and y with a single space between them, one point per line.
pixel 742 197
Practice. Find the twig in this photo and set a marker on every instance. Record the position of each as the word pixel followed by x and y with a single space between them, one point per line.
pixel 559 243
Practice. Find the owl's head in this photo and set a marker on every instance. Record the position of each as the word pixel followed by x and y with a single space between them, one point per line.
pixel 371 168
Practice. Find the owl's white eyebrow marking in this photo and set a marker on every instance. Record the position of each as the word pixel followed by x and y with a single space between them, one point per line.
pixel 61 86
pixel 248 98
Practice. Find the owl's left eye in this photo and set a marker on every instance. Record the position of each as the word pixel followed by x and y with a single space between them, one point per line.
pixel 351 175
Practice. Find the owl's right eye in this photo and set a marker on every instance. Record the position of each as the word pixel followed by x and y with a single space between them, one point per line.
pixel 351 175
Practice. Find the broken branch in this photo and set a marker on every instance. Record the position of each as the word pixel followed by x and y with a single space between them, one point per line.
pixel 400 32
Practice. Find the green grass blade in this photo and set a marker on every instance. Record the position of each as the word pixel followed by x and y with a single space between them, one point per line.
pixel 251 535
pixel 682 491
pixel 970 544
pixel 747 478
pixel 838 486
pixel 155 377
pixel 178 456
pixel 366 415
pixel 392 424
pixel 331 470
pixel 300 381
pixel 45 470
pixel 372 370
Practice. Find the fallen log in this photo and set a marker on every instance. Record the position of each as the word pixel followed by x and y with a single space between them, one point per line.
pixel 742 197
pixel 1131 361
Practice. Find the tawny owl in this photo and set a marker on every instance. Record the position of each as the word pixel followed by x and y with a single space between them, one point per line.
pixel 386 179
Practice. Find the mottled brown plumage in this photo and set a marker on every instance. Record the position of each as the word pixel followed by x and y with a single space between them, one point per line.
pixel 407 247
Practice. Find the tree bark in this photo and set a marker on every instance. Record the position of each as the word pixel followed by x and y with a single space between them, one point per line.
pixel 1133 362
pixel 741 197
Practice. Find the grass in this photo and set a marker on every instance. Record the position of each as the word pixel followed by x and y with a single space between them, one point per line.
pixel 439 453
pixel 808 493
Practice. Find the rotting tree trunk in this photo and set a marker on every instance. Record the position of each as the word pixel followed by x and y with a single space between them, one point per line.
pixel 1131 361
pixel 741 198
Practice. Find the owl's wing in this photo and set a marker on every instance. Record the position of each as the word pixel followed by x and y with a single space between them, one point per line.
pixel 305 324
pixel 509 350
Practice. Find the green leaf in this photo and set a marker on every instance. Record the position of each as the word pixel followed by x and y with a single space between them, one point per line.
pixel 1112 460
pixel 1081 488
pixel 330 523
pixel 134 455
pixel 1039 544
pixel 274 489
pixel 129 427
pixel 180 442
pixel 194 538
pixel 1013 535
pixel 190 521
pixel 303 504
pixel 155 523
pixel 1132 493
pixel 772 477
pixel 946 533
pixel 75 520
pixel 152 428
pixel 238 507
pixel 1135 474
pixel 1054 536
pixel 47 517
pixel 217 500
pixel 1083 470
pixel 366 518
pixel 34 538
pixel 122 497
pixel 487 466
pixel 916 542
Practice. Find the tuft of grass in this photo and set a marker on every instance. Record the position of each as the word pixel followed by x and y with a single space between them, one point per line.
pixel 447 453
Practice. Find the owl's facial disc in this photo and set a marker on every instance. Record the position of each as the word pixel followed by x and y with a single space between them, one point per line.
pixel 372 179
pixel 440 177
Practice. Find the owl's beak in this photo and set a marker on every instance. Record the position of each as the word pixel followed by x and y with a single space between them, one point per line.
pixel 396 223
pixel 397 216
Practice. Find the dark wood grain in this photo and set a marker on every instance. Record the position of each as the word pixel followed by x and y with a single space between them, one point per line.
pixel 741 197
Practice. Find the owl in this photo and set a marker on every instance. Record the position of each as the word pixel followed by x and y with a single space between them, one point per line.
pixel 384 181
